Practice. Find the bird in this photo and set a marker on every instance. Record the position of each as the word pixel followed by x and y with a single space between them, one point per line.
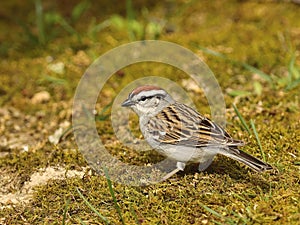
pixel 182 134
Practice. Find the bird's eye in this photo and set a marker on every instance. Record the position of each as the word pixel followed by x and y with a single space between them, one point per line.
pixel 143 98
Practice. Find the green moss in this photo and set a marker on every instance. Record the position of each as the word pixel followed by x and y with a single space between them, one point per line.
pixel 261 34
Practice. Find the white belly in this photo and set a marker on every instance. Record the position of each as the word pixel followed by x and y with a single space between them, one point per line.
pixel 184 154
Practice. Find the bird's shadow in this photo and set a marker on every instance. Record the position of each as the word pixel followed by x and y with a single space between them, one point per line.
pixel 233 169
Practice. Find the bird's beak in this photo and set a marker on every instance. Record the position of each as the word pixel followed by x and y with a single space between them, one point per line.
pixel 127 103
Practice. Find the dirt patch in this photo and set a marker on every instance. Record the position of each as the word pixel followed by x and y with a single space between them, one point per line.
pixel 41 177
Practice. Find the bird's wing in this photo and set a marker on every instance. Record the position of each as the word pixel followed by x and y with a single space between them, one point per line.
pixel 179 124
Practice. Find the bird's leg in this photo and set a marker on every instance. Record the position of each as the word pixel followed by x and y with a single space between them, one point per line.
pixel 179 167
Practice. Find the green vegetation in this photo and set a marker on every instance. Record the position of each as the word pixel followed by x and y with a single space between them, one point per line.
pixel 103 218
pixel 253 49
pixel 242 119
pixel 276 82
pixel 245 125
pixel 137 29
pixel 46 23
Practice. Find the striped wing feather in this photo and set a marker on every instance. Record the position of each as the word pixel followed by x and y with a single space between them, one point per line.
pixel 179 124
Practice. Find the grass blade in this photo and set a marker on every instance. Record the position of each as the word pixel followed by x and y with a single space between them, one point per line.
pixel 258 88
pixel 105 220
pixel 293 73
pixel 257 139
pixel 112 193
pixel 106 108
pixel 94 28
pixel 64 24
pixel 81 222
pixel 55 80
pixel 216 222
pixel 129 10
pixel 40 21
pixel 240 93
pixel 241 119
pixel 292 85
pixel 248 67
pixel 130 16
pixel 101 116
pixel 213 212
pixel 33 39
pixel 134 215
pixel 79 9
pixel 253 69
pixel 290 70
pixel 212 52
pixel 65 211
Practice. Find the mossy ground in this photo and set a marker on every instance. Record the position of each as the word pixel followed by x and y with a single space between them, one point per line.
pixel 262 34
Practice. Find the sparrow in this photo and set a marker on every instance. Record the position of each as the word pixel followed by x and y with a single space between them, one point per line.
pixel 180 133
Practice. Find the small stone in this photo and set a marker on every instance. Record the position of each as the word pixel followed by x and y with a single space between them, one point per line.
pixel 58 67
pixel 81 59
pixel 49 59
pixel 40 97
pixel 190 85
pixel 205 221
pixel 55 138
pixel 25 148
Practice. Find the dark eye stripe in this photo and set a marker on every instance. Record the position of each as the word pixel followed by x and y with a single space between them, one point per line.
pixel 143 98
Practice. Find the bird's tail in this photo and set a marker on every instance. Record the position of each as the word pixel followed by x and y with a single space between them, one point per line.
pixel 249 160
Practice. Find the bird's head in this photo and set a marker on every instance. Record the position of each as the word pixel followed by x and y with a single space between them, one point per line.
pixel 148 100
